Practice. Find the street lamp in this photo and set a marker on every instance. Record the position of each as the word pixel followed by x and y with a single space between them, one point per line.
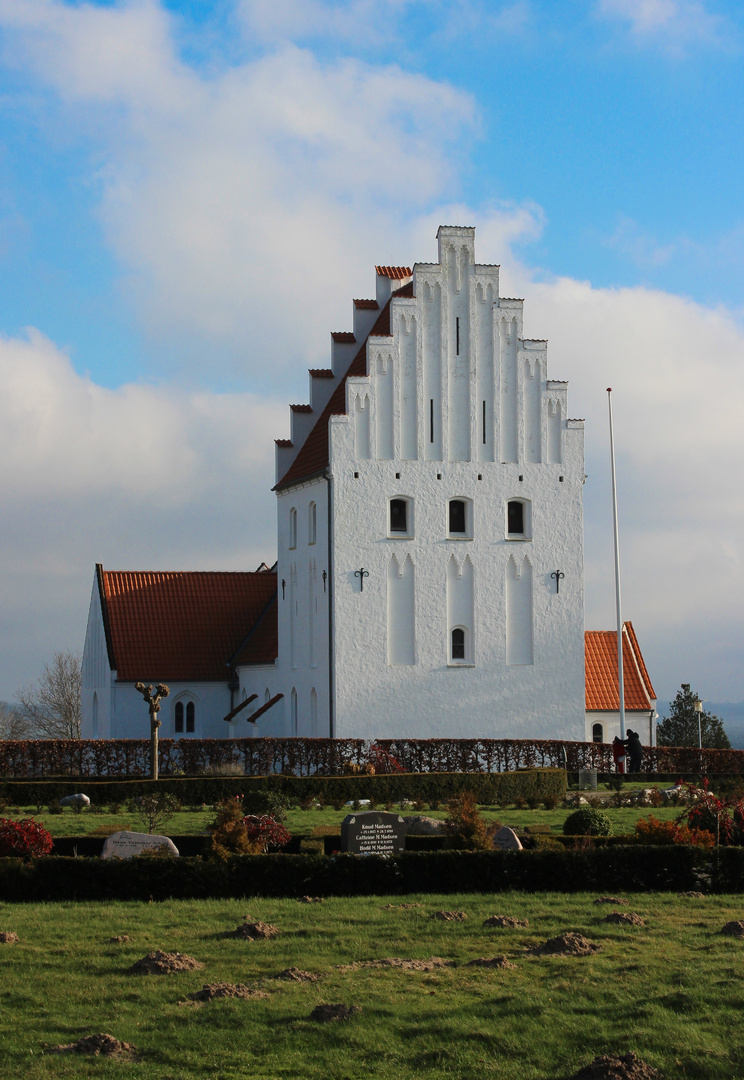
pixel 698 707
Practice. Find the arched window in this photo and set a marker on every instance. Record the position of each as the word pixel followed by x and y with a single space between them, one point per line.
pixel 267 695
pixel 457 644
pixel 460 519
pixel 293 710
pixel 312 523
pixel 184 717
pixel 314 711
pixel 293 528
pixel 400 521
pixel 597 733
pixel 95 716
pixel 518 520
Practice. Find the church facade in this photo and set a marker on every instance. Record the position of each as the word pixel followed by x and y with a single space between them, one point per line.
pixel 429 580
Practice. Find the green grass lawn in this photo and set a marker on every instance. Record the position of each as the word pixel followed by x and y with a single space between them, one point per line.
pixel 70 823
pixel 672 990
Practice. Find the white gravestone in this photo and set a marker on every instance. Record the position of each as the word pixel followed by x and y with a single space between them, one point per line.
pixel 75 800
pixel 507 840
pixel 124 845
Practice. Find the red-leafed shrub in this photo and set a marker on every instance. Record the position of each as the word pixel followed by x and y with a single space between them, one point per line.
pixel 24 839
pixel 652 831
pixel 264 831
pixel 381 761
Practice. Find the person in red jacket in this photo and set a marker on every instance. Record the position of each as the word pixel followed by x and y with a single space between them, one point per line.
pixel 618 753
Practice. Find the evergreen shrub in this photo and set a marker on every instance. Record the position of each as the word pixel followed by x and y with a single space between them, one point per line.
pixel 673 868
pixel 267 794
pixel 588 821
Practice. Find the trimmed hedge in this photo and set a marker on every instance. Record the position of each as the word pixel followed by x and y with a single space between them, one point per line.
pixel 602 869
pixel 390 787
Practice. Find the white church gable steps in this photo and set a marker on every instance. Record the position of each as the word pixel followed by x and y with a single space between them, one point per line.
pixel 451 403
pixel 427 500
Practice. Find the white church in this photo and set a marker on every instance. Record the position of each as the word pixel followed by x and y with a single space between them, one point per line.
pixel 430 577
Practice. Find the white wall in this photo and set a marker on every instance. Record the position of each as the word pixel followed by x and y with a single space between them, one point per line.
pixel 302 614
pixel 434 697
pixel 97 680
pixel 641 722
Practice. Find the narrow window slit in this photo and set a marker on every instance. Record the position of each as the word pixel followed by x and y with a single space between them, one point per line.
pixel 457 332
pixel 431 420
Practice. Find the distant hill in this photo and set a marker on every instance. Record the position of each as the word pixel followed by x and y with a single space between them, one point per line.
pixel 731 712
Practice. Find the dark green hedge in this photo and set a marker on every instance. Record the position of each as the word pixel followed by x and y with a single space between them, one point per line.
pixel 192 791
pixel 602 869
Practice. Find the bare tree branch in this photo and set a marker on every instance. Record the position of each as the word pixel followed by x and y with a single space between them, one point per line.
pixel 14 724
pixel 52 705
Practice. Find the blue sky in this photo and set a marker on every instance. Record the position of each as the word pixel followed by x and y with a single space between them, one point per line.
pixel 192 192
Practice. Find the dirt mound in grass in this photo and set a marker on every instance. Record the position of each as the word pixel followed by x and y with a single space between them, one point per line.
pixel 99 1045
pixel 610 900
pixel 164 963
pixel 493 962
pixel 295 974
pixel 405 907
pixel 624 918
pixel 310 899
pixel 568 944
pixel 450 916
pixel 253 930
pixel 735 928
pixel 324 1013
pixel 506 921
pixel 223 990
pixel 610 1067
pixel 120 939
pixel 434 963
pixel 691 894
pixel 8 937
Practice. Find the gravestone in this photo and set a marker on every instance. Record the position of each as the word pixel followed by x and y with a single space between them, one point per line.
pixel 75 800
pixel 588 779
pixel 507 840
pixel 373 833
pixel 124 845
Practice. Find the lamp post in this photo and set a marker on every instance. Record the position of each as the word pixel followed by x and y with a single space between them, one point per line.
pixel 698 707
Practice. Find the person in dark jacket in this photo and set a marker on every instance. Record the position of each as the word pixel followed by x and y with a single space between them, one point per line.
pixel 635 750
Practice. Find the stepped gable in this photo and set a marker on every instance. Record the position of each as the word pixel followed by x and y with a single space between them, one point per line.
pixel 600 650
pixel 185 626
pixel 314 454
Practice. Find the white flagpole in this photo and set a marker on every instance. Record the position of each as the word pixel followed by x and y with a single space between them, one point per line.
pixel 620 683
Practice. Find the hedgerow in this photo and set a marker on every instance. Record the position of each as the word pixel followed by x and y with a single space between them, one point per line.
pixel 606 869
pixel 334 757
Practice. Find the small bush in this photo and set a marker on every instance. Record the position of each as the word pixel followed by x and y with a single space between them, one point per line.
pixel 652 831
pixel 587 821
pixel 265 831
pixel 154 809
pixel 24 839
pixel 550 802
pixel 54 808
pixel 466 828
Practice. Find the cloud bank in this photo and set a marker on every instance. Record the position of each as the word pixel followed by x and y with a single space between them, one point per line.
pixel 246 203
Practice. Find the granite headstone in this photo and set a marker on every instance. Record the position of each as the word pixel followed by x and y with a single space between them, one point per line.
pixel 373 833
pixel 124 845
pixel 75 800
pixel 507 840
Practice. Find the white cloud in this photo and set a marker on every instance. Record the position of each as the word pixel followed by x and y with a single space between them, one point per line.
pixel 140 477
pixel 237 197
pixel 674 25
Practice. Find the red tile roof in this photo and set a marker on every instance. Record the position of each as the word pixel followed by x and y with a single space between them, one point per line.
pixel 343 337
pixel 600 649
pixel 314 454
pixel 301 408
pixel 186 626
pixel 366 305
pixel 397 273
pixel 322 372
